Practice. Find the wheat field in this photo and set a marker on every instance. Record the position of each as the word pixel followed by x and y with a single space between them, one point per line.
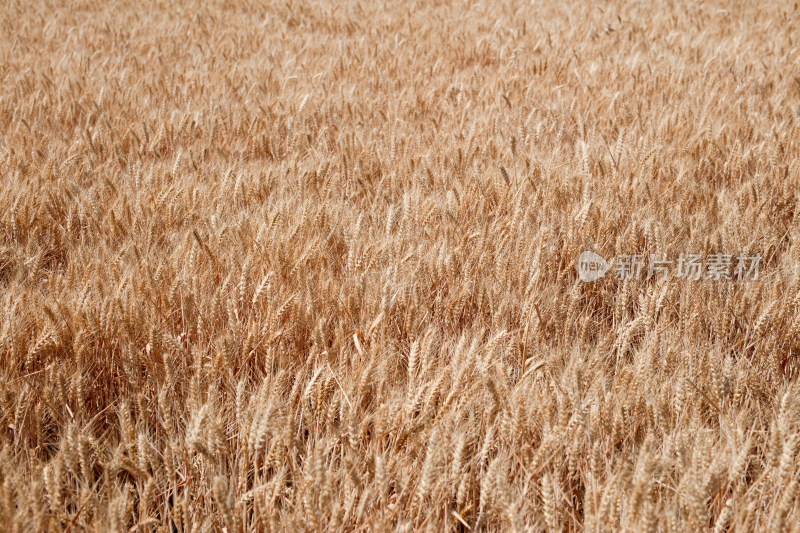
pixel 311 266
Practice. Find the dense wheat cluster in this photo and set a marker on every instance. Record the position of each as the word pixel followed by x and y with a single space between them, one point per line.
pixel 312 266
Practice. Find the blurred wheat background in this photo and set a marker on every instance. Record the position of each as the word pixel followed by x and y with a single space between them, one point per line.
pixel 311 266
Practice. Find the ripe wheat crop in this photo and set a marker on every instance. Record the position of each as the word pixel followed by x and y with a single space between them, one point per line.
pixel 312 266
